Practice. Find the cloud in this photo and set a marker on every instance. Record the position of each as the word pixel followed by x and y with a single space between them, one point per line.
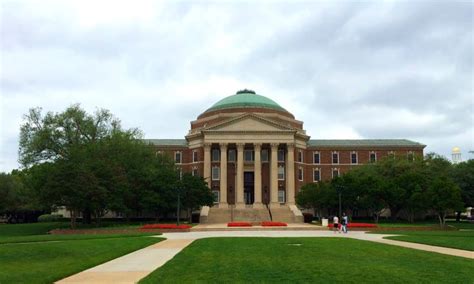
pixel 347 69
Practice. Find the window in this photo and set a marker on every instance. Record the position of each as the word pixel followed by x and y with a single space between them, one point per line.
pixel 215 173
pixel 216 194
pixel 177 157
pixel 281 196
pixel 195 156
pixel 264 155
pixel 215 155
pixel 231 157
pixel 335 157
pixel 410 156
pixel 281 155
pixel 195 172
pixel 300 174
pixel 335 172
pixel 158 153
pixel 316 175
pixel 354 157
pixel 391 154
pixel 281 173
pixel 248 155
pixel 316 158
pixel 300 156
pixel 373 157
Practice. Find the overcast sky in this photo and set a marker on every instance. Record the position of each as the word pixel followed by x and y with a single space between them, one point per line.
pixel 349 70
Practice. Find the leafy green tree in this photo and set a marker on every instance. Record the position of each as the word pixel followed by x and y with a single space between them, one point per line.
pixel 444 195
pixel 463 175
pixel 194 193
pixel 319 197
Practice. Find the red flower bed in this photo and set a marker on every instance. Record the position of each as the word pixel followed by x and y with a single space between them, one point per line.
pixel 357 225
pixel 239 224
pixel 361 225
pixel 273 224
pixel 165 226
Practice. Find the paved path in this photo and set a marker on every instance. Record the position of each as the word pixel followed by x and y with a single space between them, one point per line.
pixel 132 267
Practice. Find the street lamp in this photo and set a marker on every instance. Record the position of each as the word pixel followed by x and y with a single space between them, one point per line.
pixel 339 189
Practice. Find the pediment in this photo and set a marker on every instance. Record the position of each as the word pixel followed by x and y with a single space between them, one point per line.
pixel 249 122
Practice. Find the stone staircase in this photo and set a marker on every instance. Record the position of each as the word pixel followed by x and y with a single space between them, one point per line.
pixel 215 215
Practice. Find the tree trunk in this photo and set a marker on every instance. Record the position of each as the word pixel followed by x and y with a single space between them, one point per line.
pixel 458 216
pixel 73 219
pixel 442 219
pixel 190 216
pixel 86 216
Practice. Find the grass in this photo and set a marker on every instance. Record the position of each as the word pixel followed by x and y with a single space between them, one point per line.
pixel 39 262
pixel 304 260
pixel 450 239
pixel 29 255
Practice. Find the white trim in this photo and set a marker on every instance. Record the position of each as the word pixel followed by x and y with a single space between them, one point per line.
pixel 302 173
pixel 319 159
pixel 335 169
pixel 278 175
pixel 195 152
pixel 283 196
pixel 318 170
pixel 357 158
pixel 218 173
pixel 332 157
pixel 370 155
pixel 180 157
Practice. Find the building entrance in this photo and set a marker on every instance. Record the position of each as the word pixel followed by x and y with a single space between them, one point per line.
pixel 249 189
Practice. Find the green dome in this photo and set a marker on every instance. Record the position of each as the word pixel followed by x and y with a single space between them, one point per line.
pixel 246 99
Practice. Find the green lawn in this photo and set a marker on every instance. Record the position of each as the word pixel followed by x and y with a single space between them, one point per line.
pixel 46 262
pixel 451 239
pixel 29 255
pixel 306 260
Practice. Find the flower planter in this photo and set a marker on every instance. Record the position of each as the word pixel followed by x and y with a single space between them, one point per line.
pixel 273 224
pixel 239 224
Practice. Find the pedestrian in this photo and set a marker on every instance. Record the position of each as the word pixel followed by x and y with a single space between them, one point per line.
pixel 335 222
pixel 344 222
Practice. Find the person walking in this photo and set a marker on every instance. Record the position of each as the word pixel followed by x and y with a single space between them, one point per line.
pixel 335 221
pixel 344 222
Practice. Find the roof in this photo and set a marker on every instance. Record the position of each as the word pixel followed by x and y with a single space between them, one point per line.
pixel 314 143
pixel 246 99
pixel 167 142
pixel 364 143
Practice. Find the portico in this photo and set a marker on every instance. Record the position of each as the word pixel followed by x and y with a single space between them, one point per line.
pixel 249 161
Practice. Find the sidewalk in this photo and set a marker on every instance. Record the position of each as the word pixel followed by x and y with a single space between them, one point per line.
pixel 132 267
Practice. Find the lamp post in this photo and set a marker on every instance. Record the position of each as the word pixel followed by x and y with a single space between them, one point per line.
pixel 339 189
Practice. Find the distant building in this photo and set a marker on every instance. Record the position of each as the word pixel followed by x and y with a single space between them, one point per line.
pixel 456 155
pixel 256 156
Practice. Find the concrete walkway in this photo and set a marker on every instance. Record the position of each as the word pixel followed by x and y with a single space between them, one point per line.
pixel 132 267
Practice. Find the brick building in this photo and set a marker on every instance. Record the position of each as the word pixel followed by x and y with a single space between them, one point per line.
pixel 256 156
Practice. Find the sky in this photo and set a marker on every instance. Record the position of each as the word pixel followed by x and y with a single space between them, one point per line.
pixel 348 70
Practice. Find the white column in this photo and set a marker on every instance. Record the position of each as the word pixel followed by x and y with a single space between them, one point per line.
pixel 258 176
pixel 207 163
pixel 240 176
pixel 290 175
pixel 274 175
pixel 223 177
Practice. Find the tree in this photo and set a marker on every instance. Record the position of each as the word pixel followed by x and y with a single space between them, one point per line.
pixel 444 196
pixel 463 175
pixel 194 193
pixel 317 196
pixel 16 199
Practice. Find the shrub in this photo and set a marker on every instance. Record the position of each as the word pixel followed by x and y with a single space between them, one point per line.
pixel 49 218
